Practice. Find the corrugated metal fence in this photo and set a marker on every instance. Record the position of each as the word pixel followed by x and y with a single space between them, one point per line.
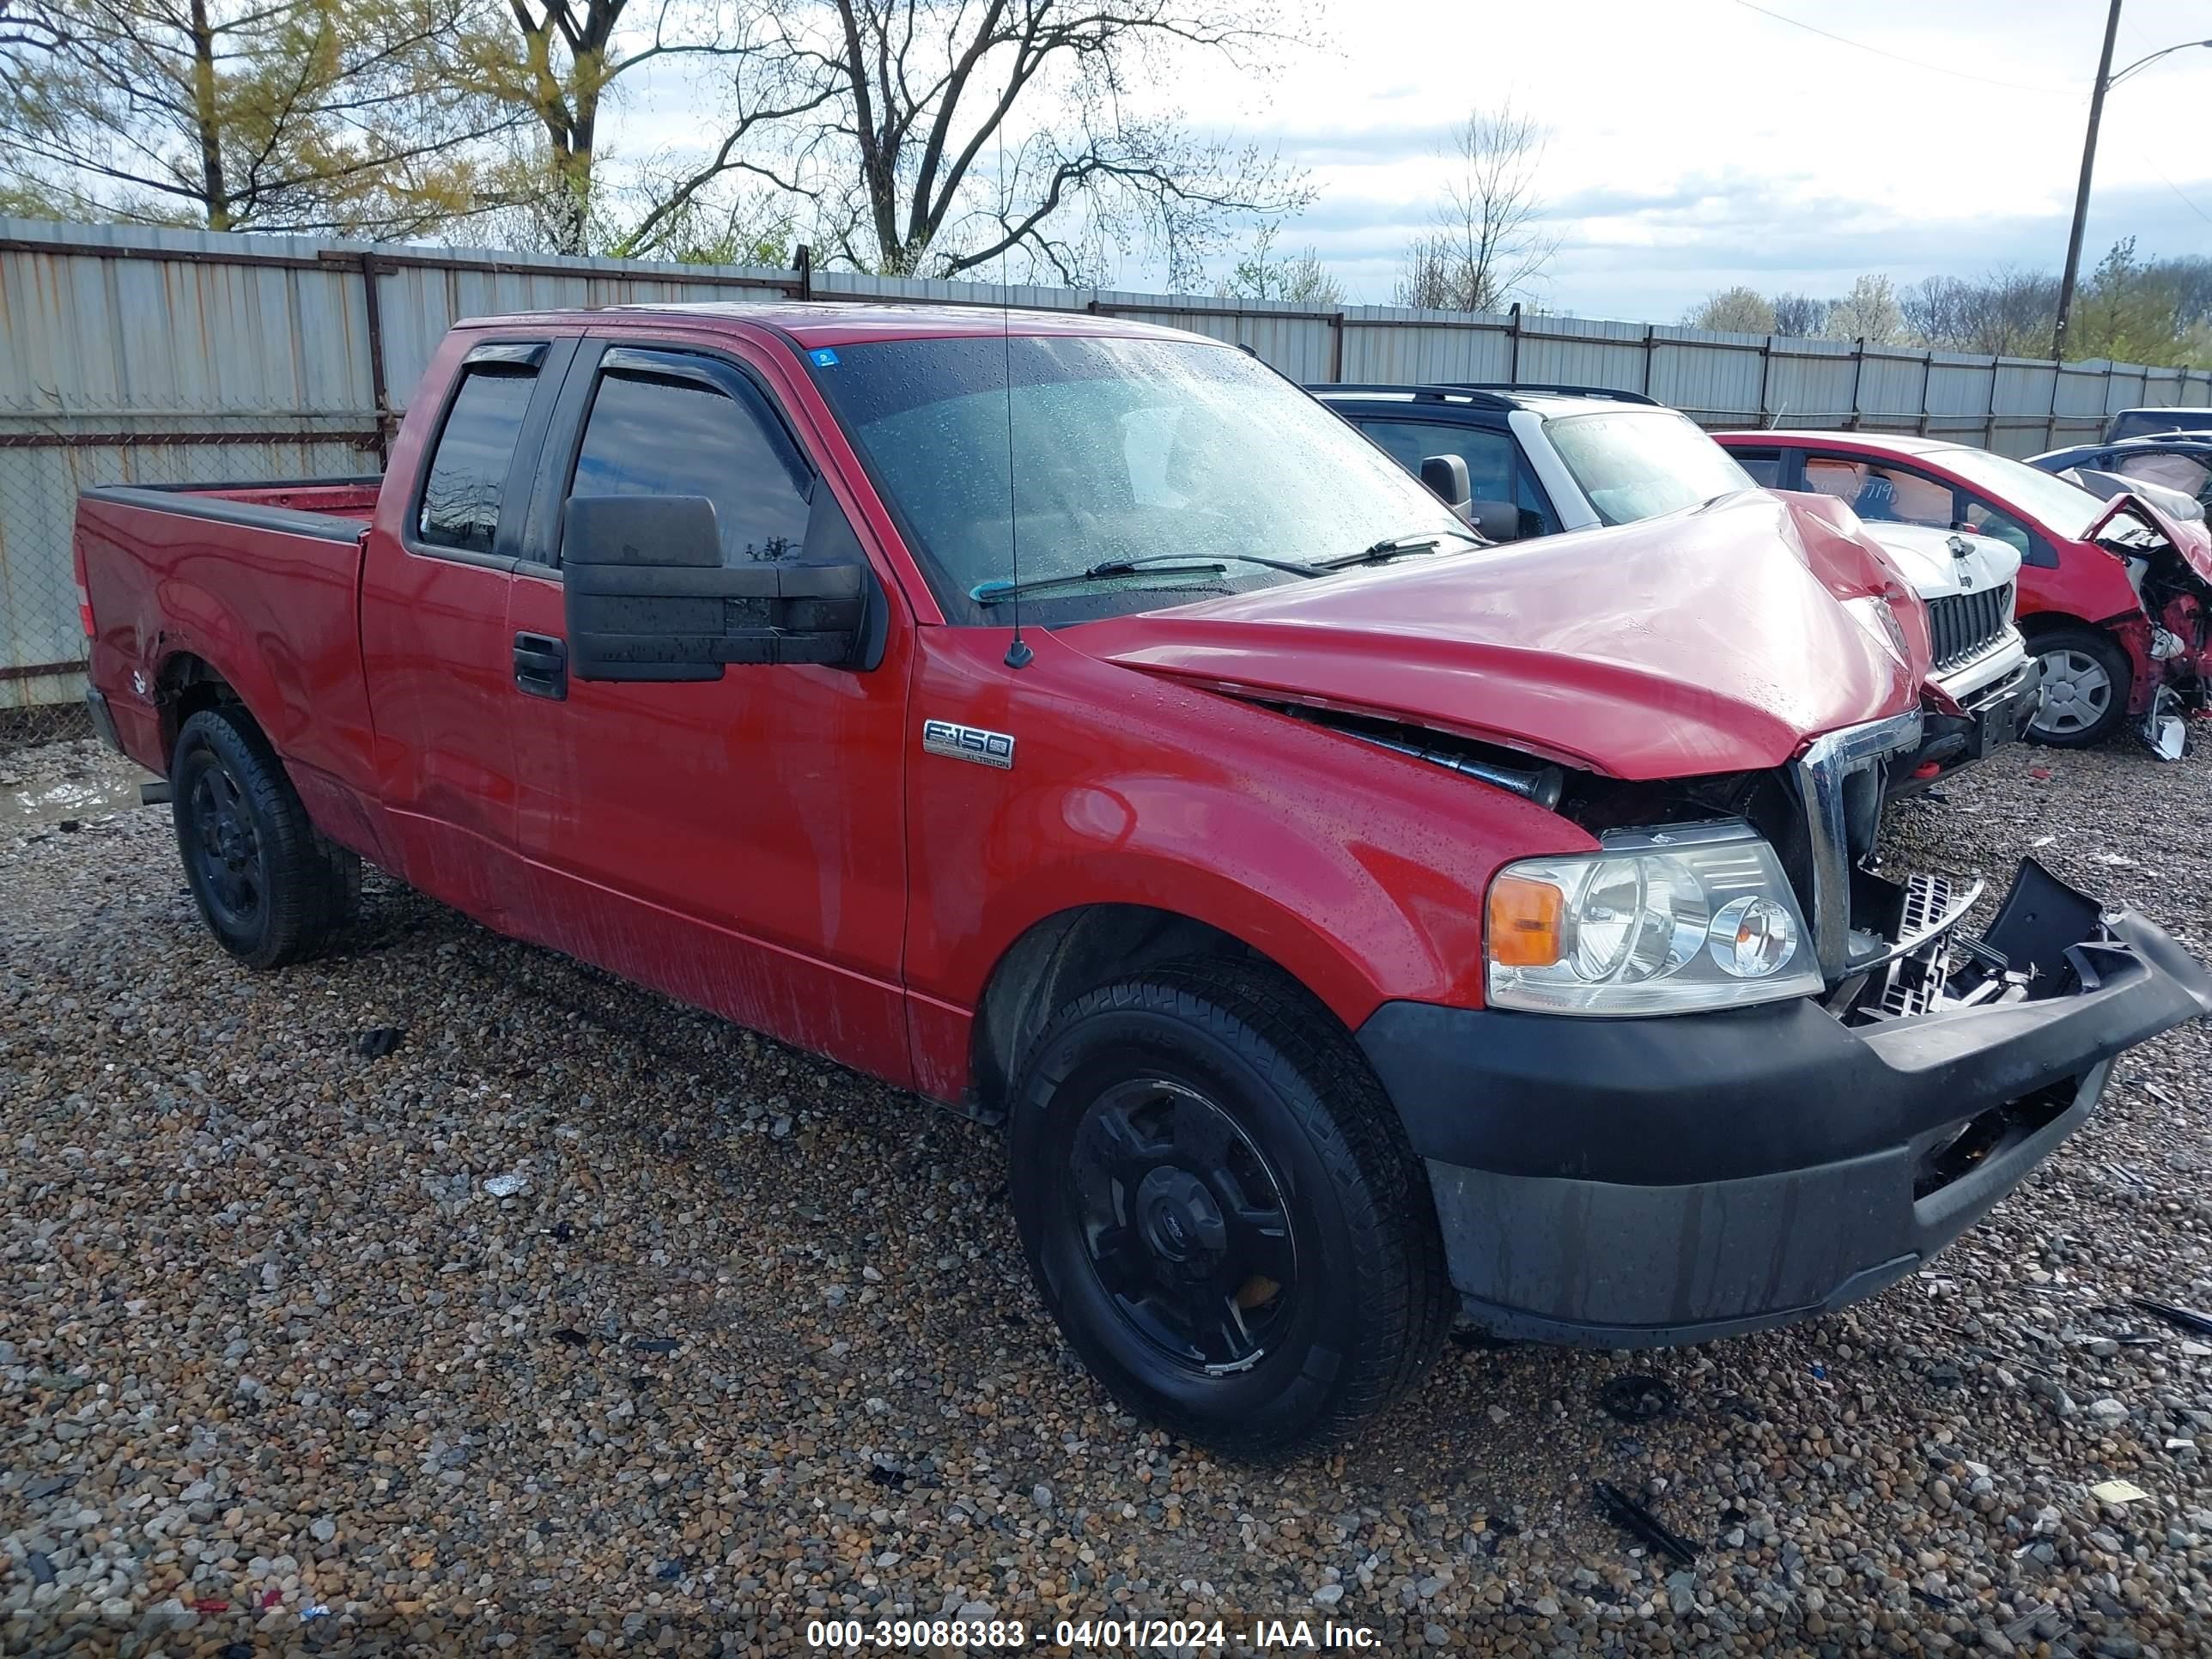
pixel 134 356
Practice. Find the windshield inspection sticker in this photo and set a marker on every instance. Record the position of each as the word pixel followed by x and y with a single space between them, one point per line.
pixel 968 743
pixel 822 357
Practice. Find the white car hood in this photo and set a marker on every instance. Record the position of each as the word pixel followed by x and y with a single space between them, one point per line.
pixel 1941 562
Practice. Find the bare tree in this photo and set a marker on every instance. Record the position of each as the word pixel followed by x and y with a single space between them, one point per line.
pixel 1489 244
pixel 1799 316
pixel 326 115
pixel 954 132
pixel 2006 313
pixel 1736 310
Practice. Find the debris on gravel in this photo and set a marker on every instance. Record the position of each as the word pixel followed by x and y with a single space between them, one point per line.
pixel 562 1318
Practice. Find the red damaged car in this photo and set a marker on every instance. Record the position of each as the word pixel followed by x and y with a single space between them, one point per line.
pixel 1353 924
pixel 2115 596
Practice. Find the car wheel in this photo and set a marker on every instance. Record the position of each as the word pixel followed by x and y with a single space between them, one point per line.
pixel 268 887
pixel 2086 678
pixel 1221 1211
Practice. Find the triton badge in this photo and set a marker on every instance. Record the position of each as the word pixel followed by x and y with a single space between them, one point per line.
pixel 968 743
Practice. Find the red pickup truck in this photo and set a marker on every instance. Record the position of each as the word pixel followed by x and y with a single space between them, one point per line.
pixel 1072 721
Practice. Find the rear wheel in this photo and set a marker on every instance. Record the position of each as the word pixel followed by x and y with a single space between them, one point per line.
pixel 270 890
pixel 2085 680
pixel 1221 1211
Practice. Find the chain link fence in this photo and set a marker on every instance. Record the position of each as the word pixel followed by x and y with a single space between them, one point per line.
pixel 42 643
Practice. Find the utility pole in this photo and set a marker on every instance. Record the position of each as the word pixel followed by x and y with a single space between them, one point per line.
pixel 2081 191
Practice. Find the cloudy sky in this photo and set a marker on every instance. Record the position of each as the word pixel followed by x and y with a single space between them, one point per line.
pixel 1694 144
pixel 1697 143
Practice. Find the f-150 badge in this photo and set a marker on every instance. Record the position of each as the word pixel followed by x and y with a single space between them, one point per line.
pixel 968 743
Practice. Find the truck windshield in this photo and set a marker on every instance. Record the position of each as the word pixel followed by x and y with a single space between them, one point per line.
pixel 1119 450
pixel 1638 463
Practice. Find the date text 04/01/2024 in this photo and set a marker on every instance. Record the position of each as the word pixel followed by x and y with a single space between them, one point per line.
pixel 1076 1635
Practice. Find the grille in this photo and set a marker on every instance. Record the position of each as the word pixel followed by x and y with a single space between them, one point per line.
pixel 1964 625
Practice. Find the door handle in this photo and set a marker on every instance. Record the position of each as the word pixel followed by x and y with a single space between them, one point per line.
pixel 540 666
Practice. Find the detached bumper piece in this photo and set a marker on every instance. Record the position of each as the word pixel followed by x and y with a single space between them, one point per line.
pixel 1638 1182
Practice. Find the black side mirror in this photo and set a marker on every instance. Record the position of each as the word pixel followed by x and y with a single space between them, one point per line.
pixel 1496 522
pixel 1446 477
pixel 647 598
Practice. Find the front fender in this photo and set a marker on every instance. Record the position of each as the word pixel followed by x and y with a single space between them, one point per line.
pixel 1359 870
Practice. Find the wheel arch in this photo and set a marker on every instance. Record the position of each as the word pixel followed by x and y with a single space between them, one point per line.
pixel 1076 950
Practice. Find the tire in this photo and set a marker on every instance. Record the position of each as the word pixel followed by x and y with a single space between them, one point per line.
pixel 1221 1211
pixel 2091 677
pixel 270 888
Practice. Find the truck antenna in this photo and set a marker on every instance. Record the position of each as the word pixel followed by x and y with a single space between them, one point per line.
pixel 1018 655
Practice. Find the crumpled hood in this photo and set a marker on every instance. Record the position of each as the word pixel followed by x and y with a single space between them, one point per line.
pixel 2193 541
pixel 1710 641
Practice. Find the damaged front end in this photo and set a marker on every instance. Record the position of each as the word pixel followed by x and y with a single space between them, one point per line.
pixel 2171 642
pixel 1678 1164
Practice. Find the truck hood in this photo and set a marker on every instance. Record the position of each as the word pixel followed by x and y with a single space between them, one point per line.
pixel 1715 639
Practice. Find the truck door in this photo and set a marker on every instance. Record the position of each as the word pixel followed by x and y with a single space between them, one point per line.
pixel 435 646
pixel 738 844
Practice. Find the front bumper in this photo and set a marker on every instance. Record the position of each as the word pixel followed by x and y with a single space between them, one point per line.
pixel 1990 717
pixel 1638 1182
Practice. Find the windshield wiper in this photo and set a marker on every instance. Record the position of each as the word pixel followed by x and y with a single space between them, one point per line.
pixel 1391 547
pixel 1158 564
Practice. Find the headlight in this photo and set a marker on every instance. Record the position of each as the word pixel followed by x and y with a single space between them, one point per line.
pixel 1658 922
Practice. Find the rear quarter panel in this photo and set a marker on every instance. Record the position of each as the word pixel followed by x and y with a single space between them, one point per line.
pixel 271 612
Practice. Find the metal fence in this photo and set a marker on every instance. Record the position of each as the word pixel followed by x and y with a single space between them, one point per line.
pixel 136 355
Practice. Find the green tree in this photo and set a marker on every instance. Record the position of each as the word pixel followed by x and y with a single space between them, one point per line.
pixel 312 115
pixel 1298 278
pixel 557 64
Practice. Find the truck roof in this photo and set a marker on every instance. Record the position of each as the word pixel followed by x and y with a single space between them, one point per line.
pixel 814 323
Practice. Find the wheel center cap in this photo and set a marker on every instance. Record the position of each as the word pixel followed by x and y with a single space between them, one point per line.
pixel 1177 1218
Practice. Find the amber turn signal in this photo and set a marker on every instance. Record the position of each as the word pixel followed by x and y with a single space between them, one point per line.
pixel 1527 922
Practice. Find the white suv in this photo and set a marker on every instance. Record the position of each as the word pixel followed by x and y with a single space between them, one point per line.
pixel 1544 459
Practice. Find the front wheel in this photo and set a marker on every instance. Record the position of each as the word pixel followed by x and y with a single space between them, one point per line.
pixel 1221 1211
pixel 2086 678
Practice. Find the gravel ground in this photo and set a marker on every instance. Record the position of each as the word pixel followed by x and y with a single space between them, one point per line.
pixel 581 1320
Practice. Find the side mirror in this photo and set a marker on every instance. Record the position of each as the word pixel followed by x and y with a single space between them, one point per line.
pixel 1446 477
pixel 647 598
pixel 1498 521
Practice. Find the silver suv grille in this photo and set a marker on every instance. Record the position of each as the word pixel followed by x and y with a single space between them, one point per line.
pixel 1963 626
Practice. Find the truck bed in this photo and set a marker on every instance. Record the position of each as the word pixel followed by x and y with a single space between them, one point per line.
pixel 346 503
pixel 258 580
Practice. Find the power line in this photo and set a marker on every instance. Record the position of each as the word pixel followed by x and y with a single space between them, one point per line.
pixel 1898 58
pixel 2178 191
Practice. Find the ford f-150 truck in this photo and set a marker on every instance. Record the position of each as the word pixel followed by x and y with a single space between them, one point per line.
pixel 1354 923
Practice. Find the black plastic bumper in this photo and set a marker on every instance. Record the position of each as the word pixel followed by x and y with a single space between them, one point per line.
pixel 1644 1181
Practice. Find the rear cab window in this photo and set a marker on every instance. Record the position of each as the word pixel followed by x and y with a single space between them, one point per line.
pixel 464 486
